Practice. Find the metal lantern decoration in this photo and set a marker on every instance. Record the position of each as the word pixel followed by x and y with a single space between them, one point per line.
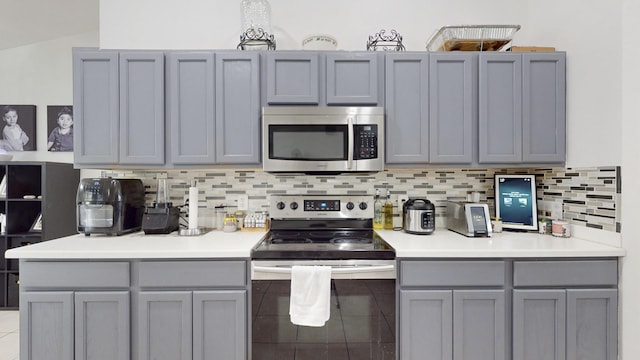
pixel 256 26
pixel 380 41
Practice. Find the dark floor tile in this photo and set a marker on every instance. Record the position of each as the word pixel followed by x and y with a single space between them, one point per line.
pixel 274 304
pixel 331 333
pixel 367 329
pixel 381 286
pixel 354 304
pixel 371 351
pixel 260 286
pixel 280 286
pixel 273 351
pixel 273 329
pixel 321 352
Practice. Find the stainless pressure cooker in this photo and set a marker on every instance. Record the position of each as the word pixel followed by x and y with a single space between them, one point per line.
pixel 418 216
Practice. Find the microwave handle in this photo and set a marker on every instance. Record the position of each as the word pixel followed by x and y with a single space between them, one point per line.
pixel 350 143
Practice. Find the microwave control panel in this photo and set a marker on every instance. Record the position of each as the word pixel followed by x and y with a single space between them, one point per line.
pixel 366 142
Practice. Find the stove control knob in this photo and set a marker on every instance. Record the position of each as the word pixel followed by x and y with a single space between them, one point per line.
pixel 280 205
pixel 350 205
pixel 363 206
pixel 294 205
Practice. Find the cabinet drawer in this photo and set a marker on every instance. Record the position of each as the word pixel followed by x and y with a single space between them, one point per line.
pixel 192 273
pixel 565 273
pixel 452 273
pixel 76 275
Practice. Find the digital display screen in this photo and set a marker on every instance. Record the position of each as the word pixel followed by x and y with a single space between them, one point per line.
pixel 322 205
pixel 479 221
pixel 516 201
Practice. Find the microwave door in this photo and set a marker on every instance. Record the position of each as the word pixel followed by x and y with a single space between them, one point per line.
pixel 350 143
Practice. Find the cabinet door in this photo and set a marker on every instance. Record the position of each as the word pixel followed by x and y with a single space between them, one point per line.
pixel 142 108
pixel 539 324
pixel 500 108
pixel 426 320
pixel 352 79
pixel 49 318
pixel 102 325
pixel 191 100
pixel 544 107
pixel 293 78
pixel 95 107
pixel 592 324
pixel 238 108
pixel 164 325
pixel 220 325
pixel 479 325
pixel 451 107
pixel 407 108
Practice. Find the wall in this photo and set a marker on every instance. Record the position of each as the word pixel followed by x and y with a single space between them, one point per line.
pixel 41 74
pixel 591 39
pixel 630 292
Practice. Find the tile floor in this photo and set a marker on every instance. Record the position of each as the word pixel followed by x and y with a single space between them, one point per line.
pixel 9 336
pixel 361 327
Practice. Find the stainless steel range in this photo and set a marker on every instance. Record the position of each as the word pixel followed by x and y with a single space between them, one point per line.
pixel 331 230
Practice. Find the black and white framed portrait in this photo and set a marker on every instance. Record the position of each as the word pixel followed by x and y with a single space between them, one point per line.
pixel 60 127
pixel 18 127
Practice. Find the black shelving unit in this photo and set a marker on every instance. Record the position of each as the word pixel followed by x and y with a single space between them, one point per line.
pixel 33 189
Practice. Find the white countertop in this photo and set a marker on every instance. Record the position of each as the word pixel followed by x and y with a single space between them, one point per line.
pixel 447 244
pixel 217 244
pixel 214 244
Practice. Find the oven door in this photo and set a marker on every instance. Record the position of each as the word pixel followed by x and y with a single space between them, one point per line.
pixel 340 269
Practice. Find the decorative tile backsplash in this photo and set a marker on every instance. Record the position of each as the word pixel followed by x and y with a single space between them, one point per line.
pixel 589 196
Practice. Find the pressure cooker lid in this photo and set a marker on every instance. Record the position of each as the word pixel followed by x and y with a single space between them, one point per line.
pixel 418 204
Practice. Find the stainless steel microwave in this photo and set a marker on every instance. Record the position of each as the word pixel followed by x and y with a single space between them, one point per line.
pixel 322 139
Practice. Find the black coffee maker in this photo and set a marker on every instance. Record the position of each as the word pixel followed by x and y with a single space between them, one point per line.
pixel 162 217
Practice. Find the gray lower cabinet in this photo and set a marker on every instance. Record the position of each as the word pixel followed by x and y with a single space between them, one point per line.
pixel 452 310
pixel 565 310
pixel 324 78
pixel 118 96
pixel 522 108
pixel 133 309
pixel 192 325
pixel 74 310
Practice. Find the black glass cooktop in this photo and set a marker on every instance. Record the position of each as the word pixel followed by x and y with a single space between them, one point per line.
pixel 323 244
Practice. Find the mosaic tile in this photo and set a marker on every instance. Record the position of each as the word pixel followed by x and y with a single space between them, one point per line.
pixel 590 196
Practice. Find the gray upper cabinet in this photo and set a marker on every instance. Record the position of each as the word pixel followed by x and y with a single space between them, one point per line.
pixel 500 108
pixel 452 107
pixel 96 106
pixel 544 107
pixel 324 78
pixel 407 108
pixel 190 107
pixel 293 78
pixel 352 78
pixel 522 115
pixel 119 107
pixel 237 107
pixel 142 108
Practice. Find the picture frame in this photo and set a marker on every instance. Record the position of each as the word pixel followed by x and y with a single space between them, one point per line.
pixel 3 187
pixel 37 224
pixel 59 128
pixel 18 128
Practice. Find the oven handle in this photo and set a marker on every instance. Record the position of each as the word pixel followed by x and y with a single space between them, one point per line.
pixel 334 270
pixel 350 143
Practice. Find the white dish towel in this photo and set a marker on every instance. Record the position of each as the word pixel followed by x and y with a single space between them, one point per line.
pixel 310 295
